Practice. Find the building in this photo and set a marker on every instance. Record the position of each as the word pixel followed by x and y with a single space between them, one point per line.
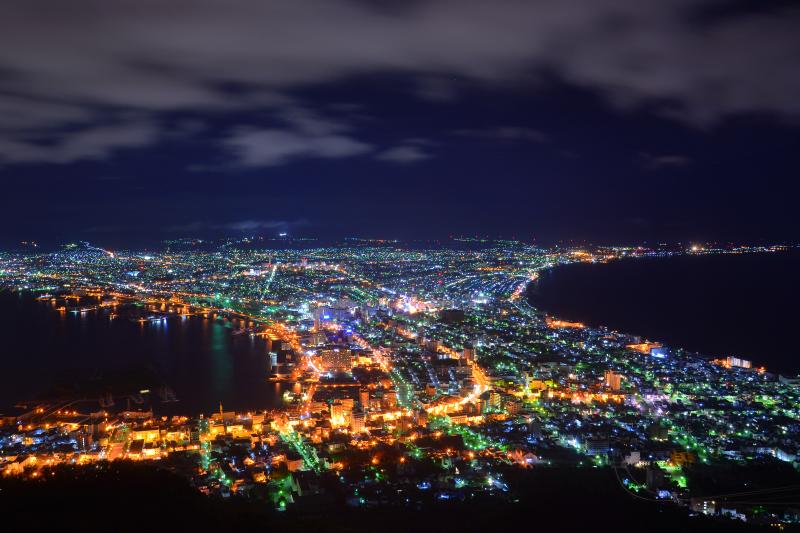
pixel 336 359
pixel 457 418
pixel 514 407
pixel 644 347
pixel 682 458
pixel 613 380
pixel 700 505
pixel 317 338
pixel 294 461
pixel 736 362
pixel 495 399
pixel 632 458
pixel 337 313
pixel 491 400
pixel 339 413
pixel 390 399
pixel 358 421
pixel 468 354
pixel 597 447
pixel 363 398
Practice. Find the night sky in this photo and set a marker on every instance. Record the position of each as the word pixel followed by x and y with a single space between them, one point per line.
pixel 612 121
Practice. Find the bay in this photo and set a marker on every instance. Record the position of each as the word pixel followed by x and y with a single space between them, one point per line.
pixel 744 305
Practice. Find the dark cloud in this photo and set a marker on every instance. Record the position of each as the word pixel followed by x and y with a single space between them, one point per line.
pixel 253 225
pixel 403 154
pixel 270 147
pixel 239 226
pixel 658 162
pixel 93 142
pixel 505 133
pixel 23 115
pixel 302 134
pixel 66 63
pixel 436 89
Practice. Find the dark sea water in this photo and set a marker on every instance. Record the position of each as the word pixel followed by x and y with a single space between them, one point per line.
pixel 718 305
pixel 197 358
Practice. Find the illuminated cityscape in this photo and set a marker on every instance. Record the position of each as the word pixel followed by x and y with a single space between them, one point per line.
pixel 412 375
pixel 394 266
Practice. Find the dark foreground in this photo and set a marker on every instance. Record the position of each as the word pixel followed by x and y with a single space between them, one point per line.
pixel 126 496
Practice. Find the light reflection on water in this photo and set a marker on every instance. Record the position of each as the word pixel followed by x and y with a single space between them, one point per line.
pixel 197 357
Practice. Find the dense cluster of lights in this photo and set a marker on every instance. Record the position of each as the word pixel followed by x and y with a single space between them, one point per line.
pixel 405 355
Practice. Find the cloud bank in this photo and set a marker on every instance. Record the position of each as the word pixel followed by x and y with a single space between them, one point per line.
pixel 88 77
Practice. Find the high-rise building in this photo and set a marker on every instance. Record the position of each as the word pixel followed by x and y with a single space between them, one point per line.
pixel 339 413
pixel 327 313
pixel 490 400
pixel 363 398
pixel 358 421
pixel 495 399
pixel 613 380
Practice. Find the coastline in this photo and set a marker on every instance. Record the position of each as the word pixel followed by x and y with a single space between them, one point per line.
pixel 610 319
